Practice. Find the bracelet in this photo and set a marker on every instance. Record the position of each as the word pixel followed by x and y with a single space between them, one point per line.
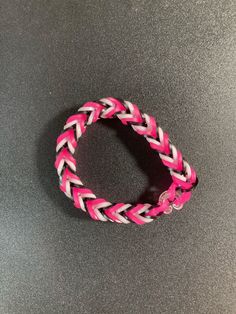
pixel 183 176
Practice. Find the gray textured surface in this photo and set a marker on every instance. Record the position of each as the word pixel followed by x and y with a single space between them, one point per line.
pixel 176 60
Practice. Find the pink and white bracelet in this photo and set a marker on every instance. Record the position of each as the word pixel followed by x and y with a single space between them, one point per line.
pixel 184 177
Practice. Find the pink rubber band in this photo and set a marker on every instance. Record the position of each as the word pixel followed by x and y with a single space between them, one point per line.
pixel 183 175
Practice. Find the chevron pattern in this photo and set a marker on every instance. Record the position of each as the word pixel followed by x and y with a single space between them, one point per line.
pixel 183 175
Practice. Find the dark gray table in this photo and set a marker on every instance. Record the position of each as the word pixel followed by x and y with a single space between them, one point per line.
pixel 176 60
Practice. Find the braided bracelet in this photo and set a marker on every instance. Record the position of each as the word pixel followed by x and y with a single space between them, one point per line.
pixel 183 176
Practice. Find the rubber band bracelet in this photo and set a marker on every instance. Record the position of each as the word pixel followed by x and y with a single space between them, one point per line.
pixel 183 176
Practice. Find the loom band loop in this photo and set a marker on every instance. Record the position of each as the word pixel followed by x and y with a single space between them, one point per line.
pixel 181 199
pixel 133 116
pixel 93 207
pixel 64 158
pixel 114 212
pixel 77 121
pixel 164 199
pixel 162 207
pixel 67 137
pixel 185 181
pixel 112 106
pixel 94 108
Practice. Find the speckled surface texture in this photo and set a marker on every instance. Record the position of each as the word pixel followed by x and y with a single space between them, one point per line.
pixel 176 60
